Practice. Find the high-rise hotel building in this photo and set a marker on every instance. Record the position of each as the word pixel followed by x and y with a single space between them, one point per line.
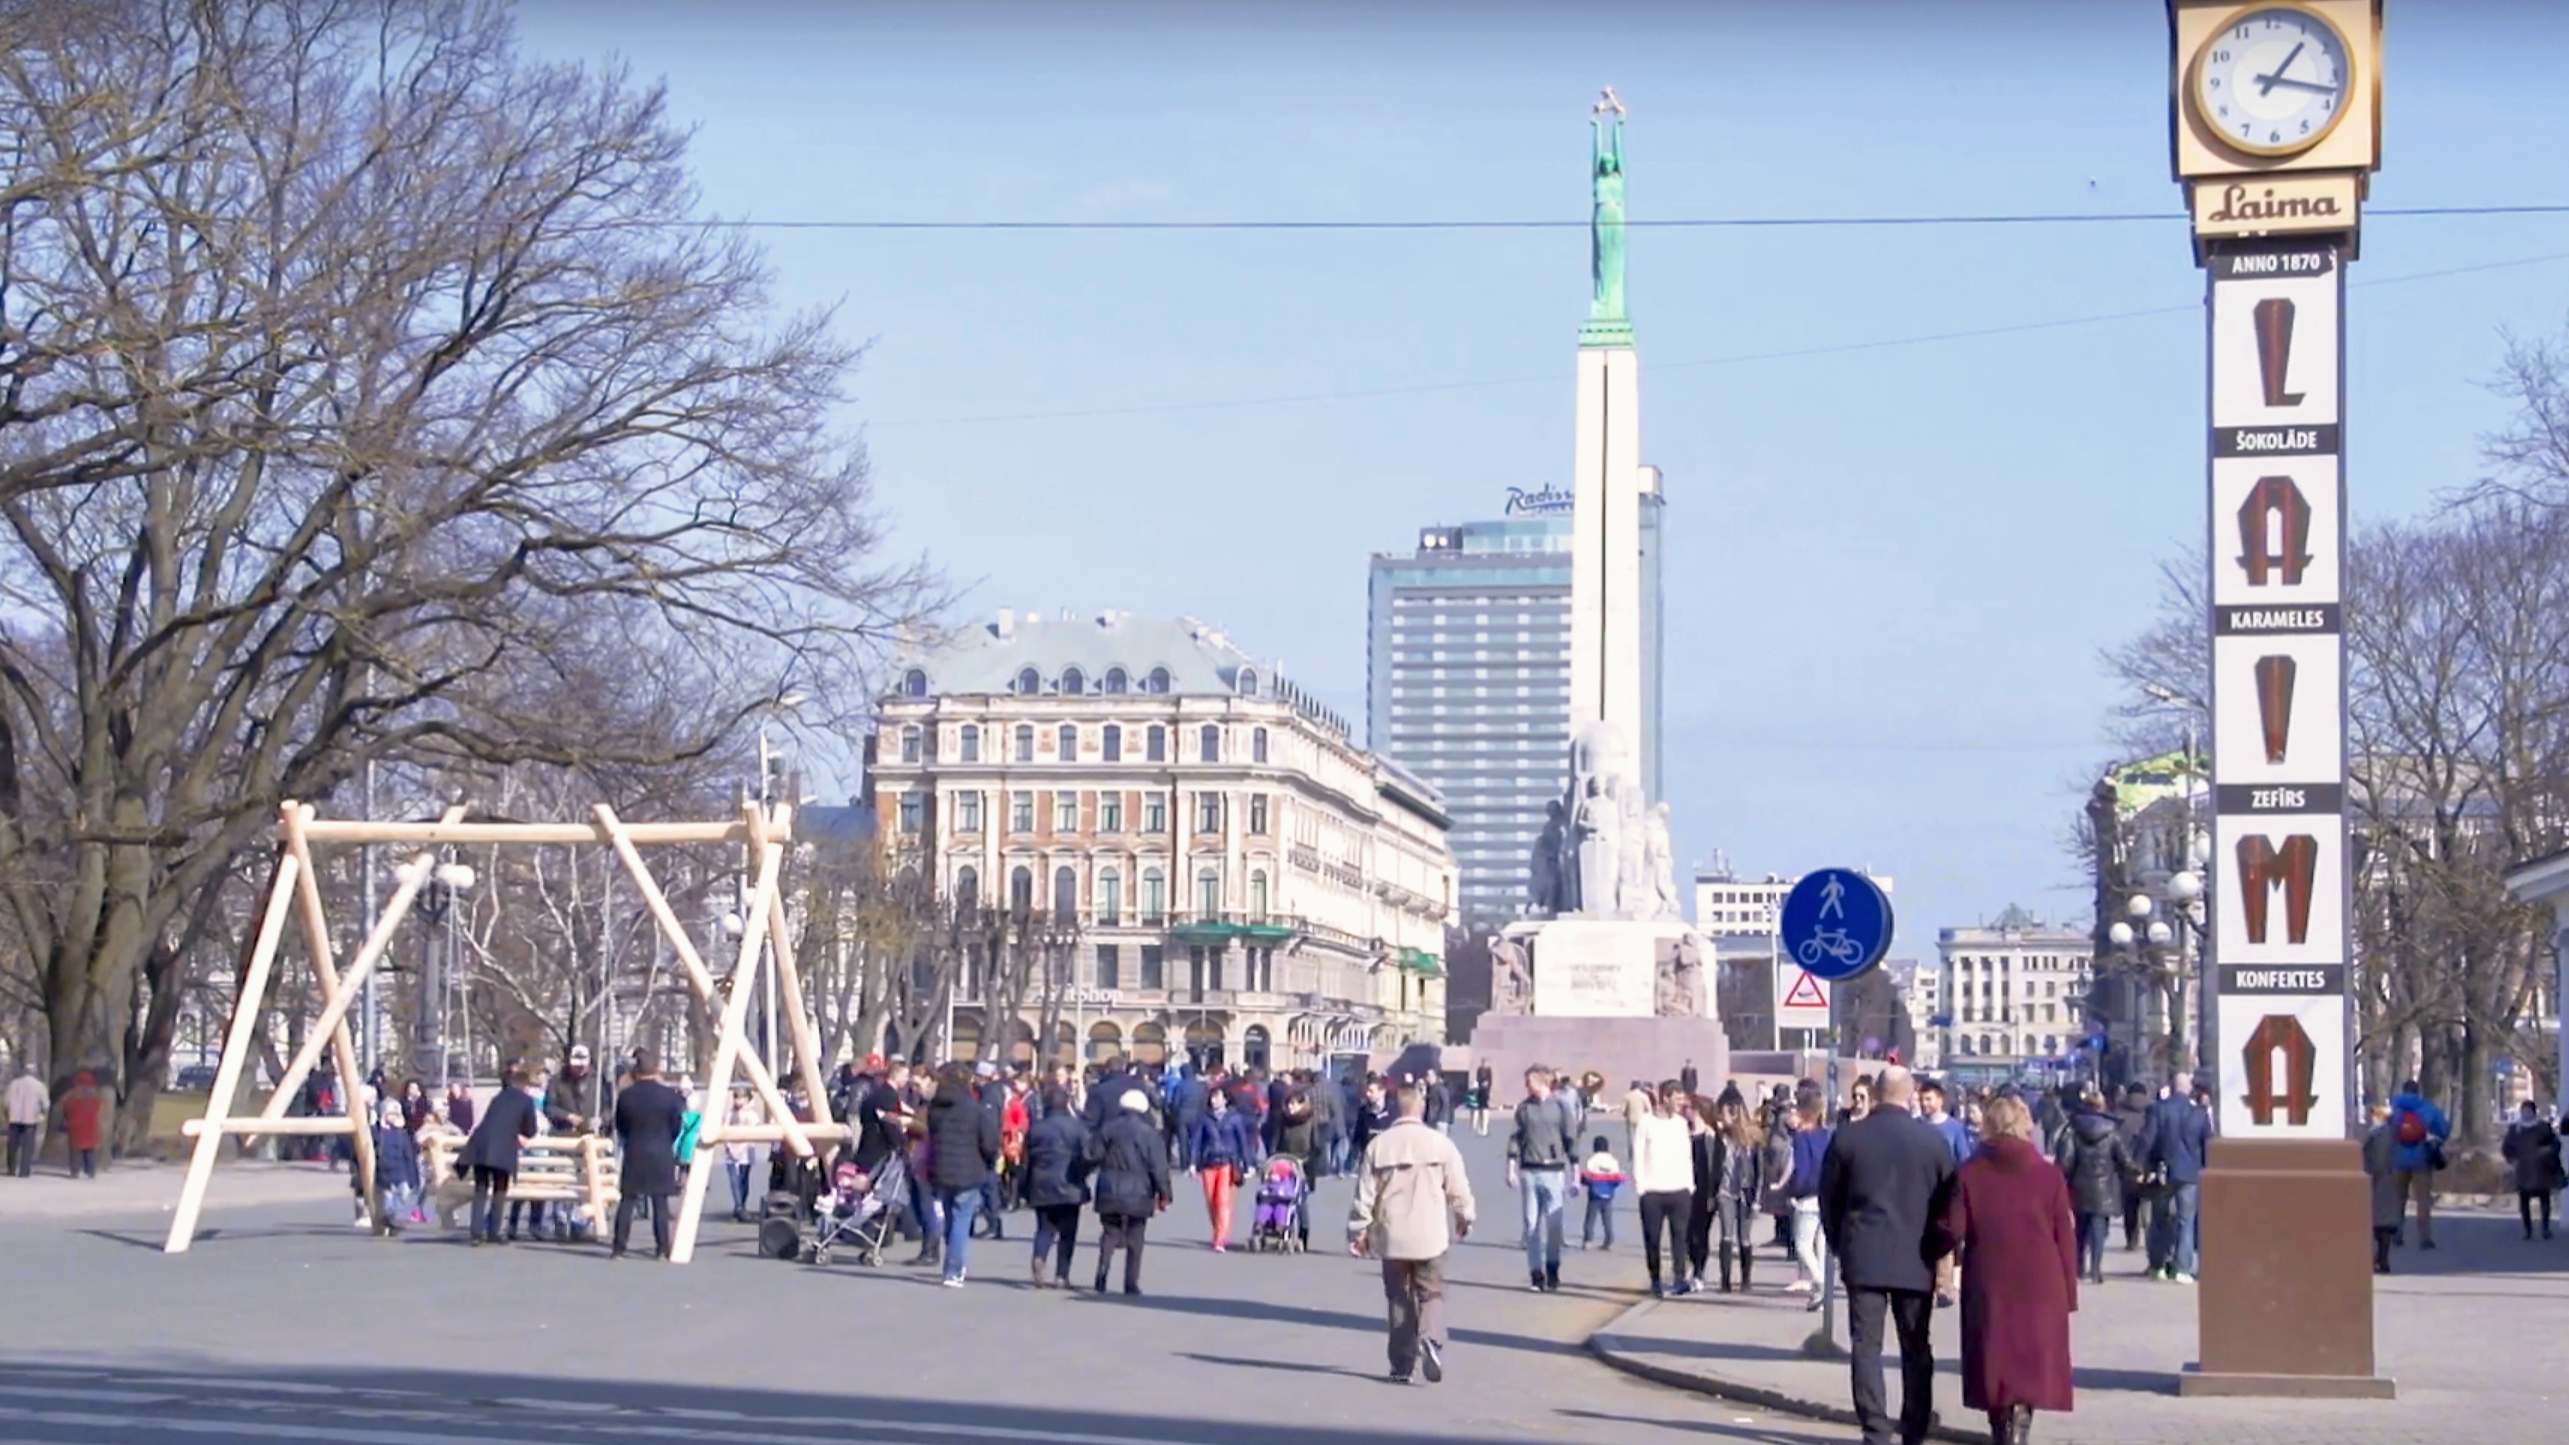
pixel 1468 680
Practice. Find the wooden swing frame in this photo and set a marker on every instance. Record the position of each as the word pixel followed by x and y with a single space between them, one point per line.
pixel 765 832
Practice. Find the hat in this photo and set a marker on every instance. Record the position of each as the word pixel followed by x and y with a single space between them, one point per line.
pixel 985 1070
pixel 1136 1100
pixel 579 1053
pixel 391 1114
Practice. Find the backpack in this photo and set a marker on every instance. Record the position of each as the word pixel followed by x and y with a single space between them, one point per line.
pixel 2411 1128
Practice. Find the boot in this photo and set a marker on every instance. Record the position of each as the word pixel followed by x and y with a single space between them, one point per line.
pixel 931 1251
pixel 2020 1425
pixel 1037 1273
pixel 1726 1269
pixel 1745 1260
pixel 1101 1277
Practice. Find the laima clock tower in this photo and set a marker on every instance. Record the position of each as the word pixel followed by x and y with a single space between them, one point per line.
pixel 2275 116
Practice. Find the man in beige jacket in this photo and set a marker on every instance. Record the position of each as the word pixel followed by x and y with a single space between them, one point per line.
pixel 1412 1203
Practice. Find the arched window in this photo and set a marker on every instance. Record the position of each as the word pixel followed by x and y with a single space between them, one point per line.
pixel 971 743
pixel 1248 682
pixel 1073 682
pixel 1963 1045
pixel 967 889
pixel 1110 897
pixel 1021 891
pixel 1065 896
pixel 1208 894
pixel 1029 681
pixel 1257 745
pixel 1114 681
pixel 1067 744
pixel 1258 894
pixel 1155 896
pixel 914 683
pixel 1210 744
pixel 1111 744
pixel 1025 743
pixel 1158 680
pixel 910 746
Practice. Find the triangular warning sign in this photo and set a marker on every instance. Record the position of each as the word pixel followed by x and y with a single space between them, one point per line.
pixel 1806 992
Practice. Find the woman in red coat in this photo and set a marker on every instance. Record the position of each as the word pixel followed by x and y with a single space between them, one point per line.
pixel 2010 1216
pixel 81 1111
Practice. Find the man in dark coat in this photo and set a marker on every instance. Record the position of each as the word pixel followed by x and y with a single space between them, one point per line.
pixel 491 1151
pixel 881 1115
pixel 1186 1107
pixel 1882 1186
pixel 2129 1118
pixel 2009 1213
pixel 1112 1085
pixel 963 1143
pixel 1056 1164
pixel 1132 1185
pixel 2174 1142
pixel 649 1115
pixel 991 1088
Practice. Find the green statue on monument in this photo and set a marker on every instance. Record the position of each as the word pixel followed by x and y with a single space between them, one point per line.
pixel 1607 325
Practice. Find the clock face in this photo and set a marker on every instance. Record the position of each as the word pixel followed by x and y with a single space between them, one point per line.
pixel 2272 81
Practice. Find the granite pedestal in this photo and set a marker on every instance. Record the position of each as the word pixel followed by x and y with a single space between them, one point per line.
pixel 1621 1049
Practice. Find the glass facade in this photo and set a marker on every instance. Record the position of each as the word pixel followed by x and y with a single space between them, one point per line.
pixel 1468 685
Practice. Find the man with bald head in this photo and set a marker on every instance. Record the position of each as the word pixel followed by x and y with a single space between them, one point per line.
pixel 1882 1182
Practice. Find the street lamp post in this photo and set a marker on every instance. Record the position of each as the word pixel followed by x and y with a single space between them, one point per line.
pixel 446 882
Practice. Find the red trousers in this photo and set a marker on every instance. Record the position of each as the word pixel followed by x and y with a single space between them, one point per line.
pixel 1217 1201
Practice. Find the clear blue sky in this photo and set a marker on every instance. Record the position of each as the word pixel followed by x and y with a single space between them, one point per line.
pixel 1891 568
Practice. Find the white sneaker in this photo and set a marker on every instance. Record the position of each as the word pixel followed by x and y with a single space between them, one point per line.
pixel 2184 1278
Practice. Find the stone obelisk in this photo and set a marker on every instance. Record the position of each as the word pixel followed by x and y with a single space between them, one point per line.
pixel 1606 473
pixel 1605 968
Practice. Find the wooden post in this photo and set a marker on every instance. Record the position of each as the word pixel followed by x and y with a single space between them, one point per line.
pixel 325 977
pixel 376 947
pixel 236 1051
pixel 699 978
pixel 729 1047
pixel 789 977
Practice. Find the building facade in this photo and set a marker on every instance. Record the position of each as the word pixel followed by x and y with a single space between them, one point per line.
pixel 1235 881
pixel 1729 906
pixel 2015 992
pixel 1468 681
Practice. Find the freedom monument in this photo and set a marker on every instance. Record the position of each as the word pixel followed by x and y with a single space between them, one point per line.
pixel 1606 974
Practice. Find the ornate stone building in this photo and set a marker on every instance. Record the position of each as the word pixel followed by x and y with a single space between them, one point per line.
pixel 1234 879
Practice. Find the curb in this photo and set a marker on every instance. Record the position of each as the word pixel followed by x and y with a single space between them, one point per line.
pixel 1608 1346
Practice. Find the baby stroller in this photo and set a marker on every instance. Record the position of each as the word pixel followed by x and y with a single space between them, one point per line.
pixel 1283 1195
pixel 858 1212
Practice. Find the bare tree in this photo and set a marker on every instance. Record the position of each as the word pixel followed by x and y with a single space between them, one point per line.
pixel 366 391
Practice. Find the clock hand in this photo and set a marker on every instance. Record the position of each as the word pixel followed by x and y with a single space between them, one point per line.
pixel 2274 80
pixel 2266 83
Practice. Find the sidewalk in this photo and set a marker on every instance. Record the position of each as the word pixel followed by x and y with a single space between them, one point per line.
pixel 143 1186
pixel 2471 1333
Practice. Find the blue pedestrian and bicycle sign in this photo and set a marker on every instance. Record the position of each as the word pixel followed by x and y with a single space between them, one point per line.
pixel 1836 924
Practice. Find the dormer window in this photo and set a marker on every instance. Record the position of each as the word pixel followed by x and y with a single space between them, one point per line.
pixel 1073 682
pixel 1115 682
pixel 1158 682
pixel 914 683
pixel 1248 683
pixel 1029 682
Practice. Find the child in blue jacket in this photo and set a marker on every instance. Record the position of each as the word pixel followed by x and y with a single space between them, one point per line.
pixel 1601 1177
pixel 397 1166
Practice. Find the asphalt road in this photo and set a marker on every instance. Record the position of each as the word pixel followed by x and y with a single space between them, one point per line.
pixel 286 1324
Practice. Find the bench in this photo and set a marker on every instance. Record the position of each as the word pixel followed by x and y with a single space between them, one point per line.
pixel 553 1168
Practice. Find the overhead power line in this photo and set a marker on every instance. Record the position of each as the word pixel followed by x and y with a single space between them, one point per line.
pixel 1697 223
pixel 1835 349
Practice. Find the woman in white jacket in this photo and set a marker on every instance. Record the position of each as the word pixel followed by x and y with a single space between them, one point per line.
pixel 1663 1181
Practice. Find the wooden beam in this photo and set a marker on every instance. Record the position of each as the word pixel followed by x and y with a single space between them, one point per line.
pixel 236 1052
pixel 251 1128
pixel 343 1050
pixel 789 977
pixel 336 1011
pixel 425 835
pixel 710 1134
pixel 699 977
pixel 729 1046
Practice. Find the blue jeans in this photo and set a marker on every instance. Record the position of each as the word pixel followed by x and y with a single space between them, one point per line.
pixel 960 1205
pixel 1542 1192
pixel 2176 1222
pixel 1600 1215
